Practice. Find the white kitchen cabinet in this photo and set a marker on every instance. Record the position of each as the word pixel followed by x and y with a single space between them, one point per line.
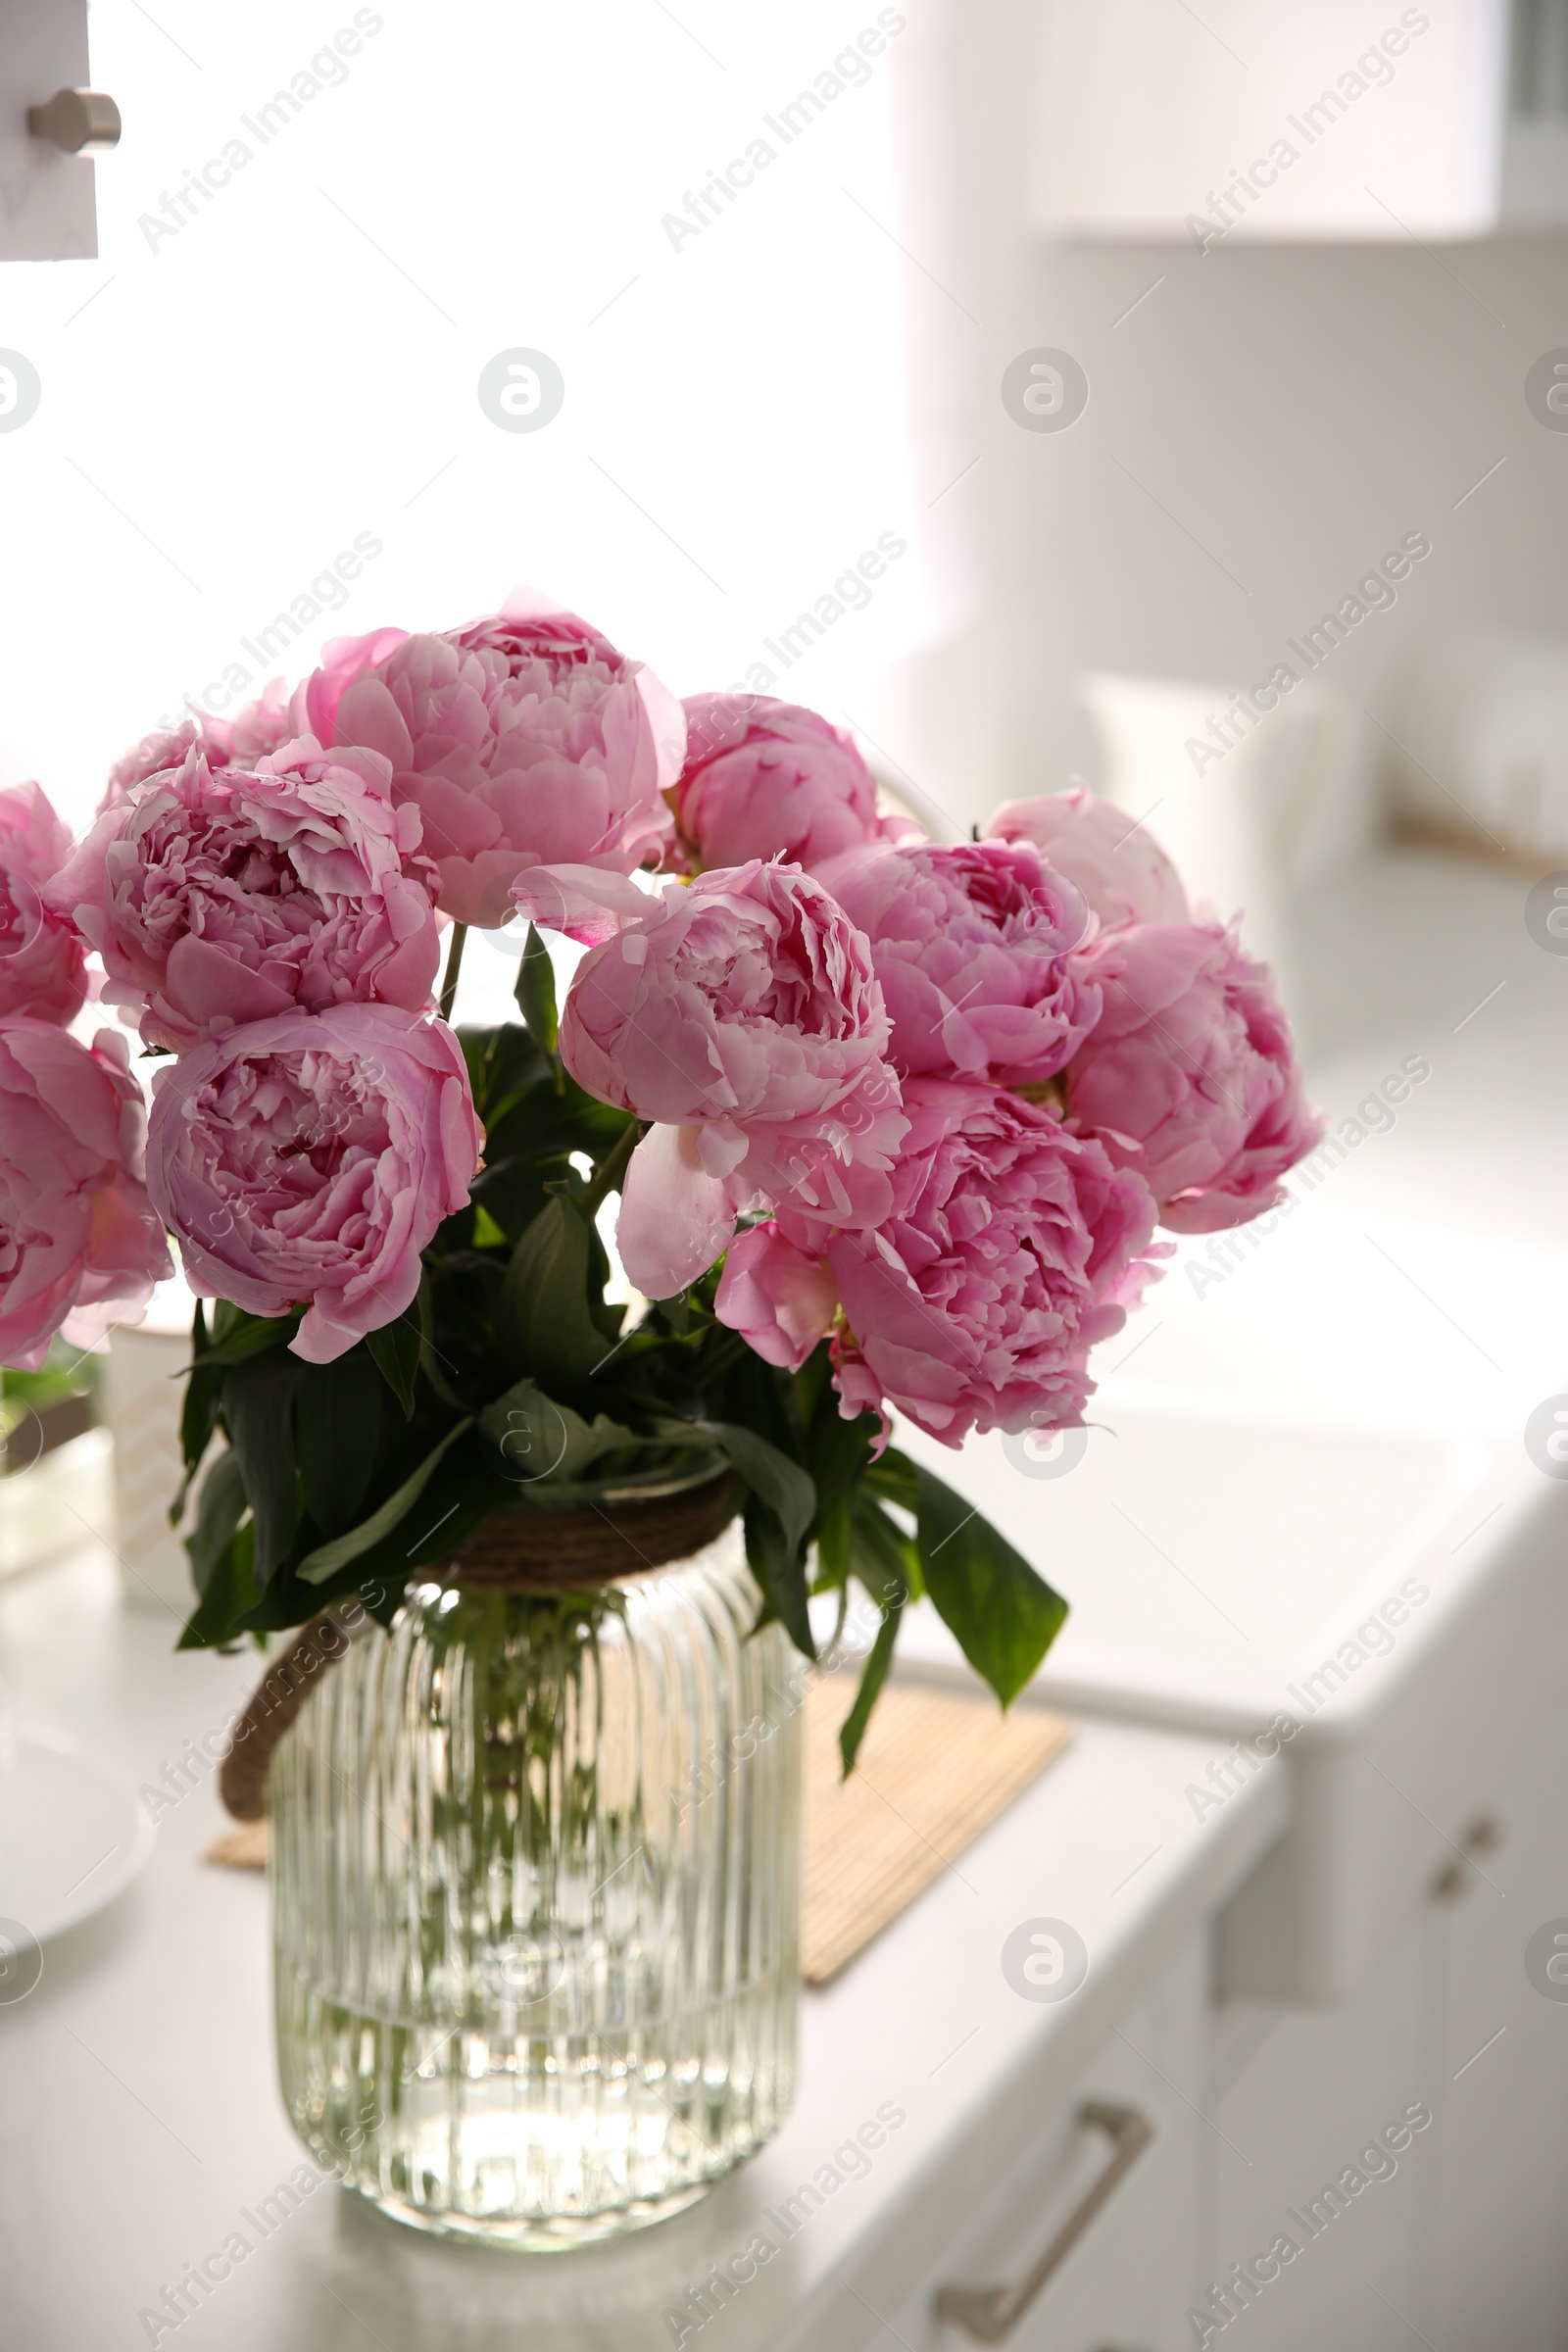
pixel 1501 2250
pixel 1129 2279
pixel 1464 2241
pixel 1237 123
pixel 1245 125
pixel 1535 160
pixel 1301 2107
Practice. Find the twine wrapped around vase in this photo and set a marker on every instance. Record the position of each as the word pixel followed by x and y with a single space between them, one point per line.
pixel 572 1550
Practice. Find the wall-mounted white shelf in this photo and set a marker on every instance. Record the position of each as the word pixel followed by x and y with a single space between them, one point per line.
pixel 1265 125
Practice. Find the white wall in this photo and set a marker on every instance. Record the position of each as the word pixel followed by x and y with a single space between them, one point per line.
pixel 232 398
pixel 1260 430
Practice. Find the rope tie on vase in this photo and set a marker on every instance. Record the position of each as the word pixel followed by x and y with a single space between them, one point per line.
pixel 513 1552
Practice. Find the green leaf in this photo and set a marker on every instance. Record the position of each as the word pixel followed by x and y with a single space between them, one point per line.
pixel 395 1352
pixel 538 1440
pixel 894 1479
pixel 781 1573
pixel 874 1673
pixel 222 1507
pixel 531 1146
pixel 812 1392
pixel 337 1418
pixel 779 1512
pixel 198 1413
pixel 838 1451
pixel 229 1599
pixel 327 1558
pixel 487 1234
pixel 460 1494
pixel 535 993
pixel 883 1557
pixel 787 1490
pixel 834 1529
pixel 544 1318
pixel 504 1065
pixel 199 1408
pixel 881 1552
pixel 1004 1616
pixel 890 1599
pixel 259 1411
pixel 238 1335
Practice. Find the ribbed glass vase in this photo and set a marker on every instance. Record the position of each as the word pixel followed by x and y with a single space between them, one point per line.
pixel 534 1888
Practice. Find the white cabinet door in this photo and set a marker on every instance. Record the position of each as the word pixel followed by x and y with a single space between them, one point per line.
pixel 1459 2234
pixel 1129 2279
pixel 1310 2172
pixel 1500 2251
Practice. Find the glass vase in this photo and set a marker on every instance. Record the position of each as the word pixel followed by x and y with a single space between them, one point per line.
pixel 534 1887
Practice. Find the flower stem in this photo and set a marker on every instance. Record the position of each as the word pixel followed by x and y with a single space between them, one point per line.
pixel 611 1167
pixel 449 978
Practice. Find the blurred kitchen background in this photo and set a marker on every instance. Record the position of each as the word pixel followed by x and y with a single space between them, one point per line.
pixel 1038 388
pixel 260 369
pixel 1297 280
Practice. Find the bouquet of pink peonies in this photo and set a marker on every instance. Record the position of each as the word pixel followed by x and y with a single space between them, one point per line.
pixel 892 1122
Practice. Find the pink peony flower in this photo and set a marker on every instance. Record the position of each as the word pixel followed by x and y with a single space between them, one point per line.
pixel 309 1160
pixel 256 731
pixel 42 968
pixel 971 945
pixel 1189 1076
pixel 1122 871
pixel 780 1299
pixel 768 779
pixel 526 741
pixel 163 749
pixel 1014 1245
pixel 344 660
pixel 79 1245
pixel 250 735
pixel 221 896
pixel 743 1016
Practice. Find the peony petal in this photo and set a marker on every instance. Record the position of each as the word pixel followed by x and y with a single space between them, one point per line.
pixel 585 903
pixel 666 716
pixel 368 717
pixel 780 1301
pixel 79 1241
pixel 212 987
pixel 675 1219
pixel 1123 873
pixel 766 779
pixel 524 604
pixel 317 703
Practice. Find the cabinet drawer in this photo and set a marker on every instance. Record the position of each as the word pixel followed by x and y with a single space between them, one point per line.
pixel 1127 2278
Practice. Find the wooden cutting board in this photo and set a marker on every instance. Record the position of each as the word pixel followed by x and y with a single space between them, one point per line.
pixel 935 1767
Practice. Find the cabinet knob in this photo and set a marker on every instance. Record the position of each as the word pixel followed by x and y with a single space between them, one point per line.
pixel 1482 1838
pixel 81 121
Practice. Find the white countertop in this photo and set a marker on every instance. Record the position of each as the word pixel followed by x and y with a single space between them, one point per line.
pixel 138 2112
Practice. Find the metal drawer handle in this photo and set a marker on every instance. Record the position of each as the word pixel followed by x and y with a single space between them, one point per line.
pixel 990 2314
